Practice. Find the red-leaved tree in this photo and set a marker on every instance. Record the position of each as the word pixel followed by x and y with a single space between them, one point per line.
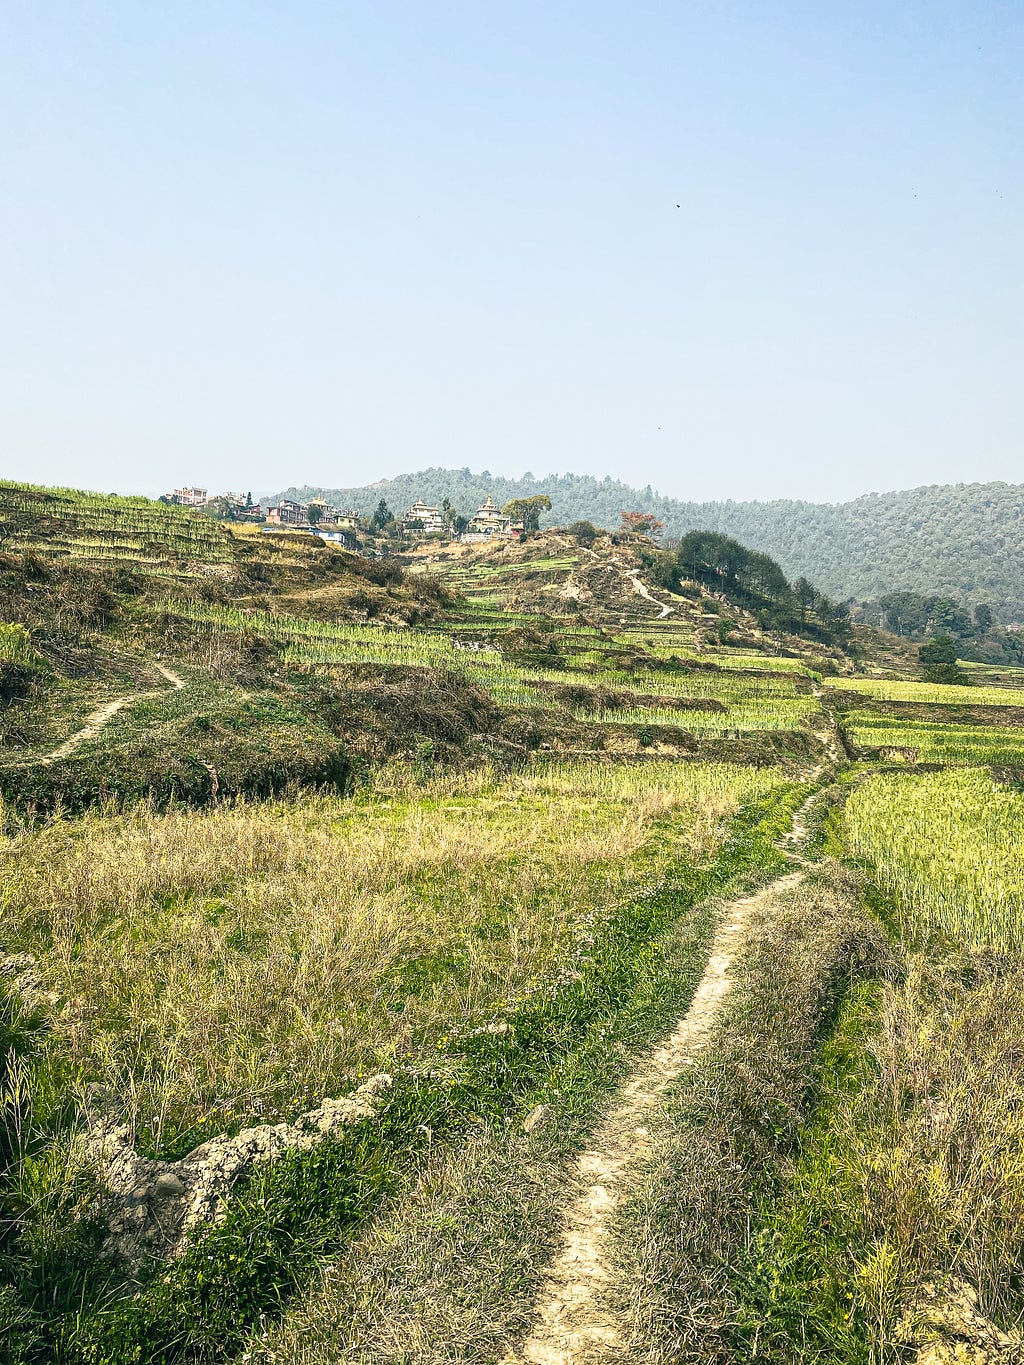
pixel 642 524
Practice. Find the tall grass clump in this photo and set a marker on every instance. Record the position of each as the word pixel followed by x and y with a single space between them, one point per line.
pixel 16 644
pixel 911 1171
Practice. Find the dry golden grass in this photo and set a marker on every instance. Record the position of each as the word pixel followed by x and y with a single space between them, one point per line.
pixel 935 1142
pixel 221 965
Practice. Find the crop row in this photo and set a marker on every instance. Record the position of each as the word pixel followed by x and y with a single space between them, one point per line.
pixel 753 713
pixel 893 689
pixel 938 742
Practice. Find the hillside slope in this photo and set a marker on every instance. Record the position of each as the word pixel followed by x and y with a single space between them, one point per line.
pixel 962 540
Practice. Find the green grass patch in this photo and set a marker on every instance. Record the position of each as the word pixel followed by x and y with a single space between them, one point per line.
pixel 203 1306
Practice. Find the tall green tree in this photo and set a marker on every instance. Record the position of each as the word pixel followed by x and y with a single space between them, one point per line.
pixel 940 649
pixel 381 517
pixel 805 594
pixel 528 510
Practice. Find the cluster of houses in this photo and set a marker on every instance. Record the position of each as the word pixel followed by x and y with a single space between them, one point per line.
pixel 313 514
pixel 241 507
pixel 487 523
pixel 332 523
pixel 316 515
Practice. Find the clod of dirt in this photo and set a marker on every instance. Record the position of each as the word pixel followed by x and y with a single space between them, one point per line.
pixel 540 1114
pixel 946 1326
pixel 159 1205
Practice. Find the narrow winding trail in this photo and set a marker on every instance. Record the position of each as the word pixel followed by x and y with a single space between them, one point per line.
pixel 102 716
pixel 641 588
pixel 573 1324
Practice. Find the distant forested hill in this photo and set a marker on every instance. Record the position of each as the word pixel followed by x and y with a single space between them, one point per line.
pixel 965 541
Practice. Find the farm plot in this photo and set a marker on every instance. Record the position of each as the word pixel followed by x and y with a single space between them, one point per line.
pixel 946 846
pixel 222 966
pixel 752 703
pixel 902 689
pixel 748 715
pixel 490 584
pixel 64 521
pixel 956 744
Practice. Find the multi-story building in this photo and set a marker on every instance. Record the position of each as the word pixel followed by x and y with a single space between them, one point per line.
pixel 428 517
pixel 489 522
pixel 288 513
pixel 190 497
pixel 327 514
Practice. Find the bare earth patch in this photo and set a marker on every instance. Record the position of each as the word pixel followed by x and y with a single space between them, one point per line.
pixel 95 722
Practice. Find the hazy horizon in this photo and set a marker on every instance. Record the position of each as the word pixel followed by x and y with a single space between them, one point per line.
pixel 262 493
pixel 661 492
pixel 743 252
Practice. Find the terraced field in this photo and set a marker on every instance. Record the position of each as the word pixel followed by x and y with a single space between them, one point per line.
pixel 946 742
pixel 95 528
pixel 479 642
pixel 528 972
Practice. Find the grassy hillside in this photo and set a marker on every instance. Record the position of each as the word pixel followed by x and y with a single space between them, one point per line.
pixel 358 915
pixel 965 540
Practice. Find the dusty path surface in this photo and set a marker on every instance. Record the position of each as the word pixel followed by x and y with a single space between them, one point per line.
pixel 170 675
pixel 641 588
pixel 96 720
pixel 572 1324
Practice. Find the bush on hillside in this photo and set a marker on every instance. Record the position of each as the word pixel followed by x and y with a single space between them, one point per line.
pixel 946 673
pixel 585 532
pixel 940 649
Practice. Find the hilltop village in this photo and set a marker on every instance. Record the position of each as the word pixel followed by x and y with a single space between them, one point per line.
pixel 423 520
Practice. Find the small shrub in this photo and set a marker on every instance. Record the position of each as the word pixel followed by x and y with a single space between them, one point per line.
pixel 16 644
pixel 585 532
pixel 947 674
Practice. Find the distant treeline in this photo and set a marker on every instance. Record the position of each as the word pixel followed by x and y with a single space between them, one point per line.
pixel 919 616
pixel 962 541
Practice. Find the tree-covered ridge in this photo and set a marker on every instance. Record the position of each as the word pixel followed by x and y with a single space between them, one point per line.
pixel 754 581
pixel 964 541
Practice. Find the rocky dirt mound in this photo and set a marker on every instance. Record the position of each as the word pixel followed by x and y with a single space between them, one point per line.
pixel 947 1328
pixel 157 1205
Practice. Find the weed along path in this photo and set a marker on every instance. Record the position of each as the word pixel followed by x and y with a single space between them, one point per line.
pixel 573 1323
pixel 97 719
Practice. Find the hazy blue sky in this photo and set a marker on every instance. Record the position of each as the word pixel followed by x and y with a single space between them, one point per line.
pixel 732 249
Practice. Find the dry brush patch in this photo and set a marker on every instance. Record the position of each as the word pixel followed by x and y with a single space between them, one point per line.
pixel 904 1200
pixel 239 963
pixel 906 1195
